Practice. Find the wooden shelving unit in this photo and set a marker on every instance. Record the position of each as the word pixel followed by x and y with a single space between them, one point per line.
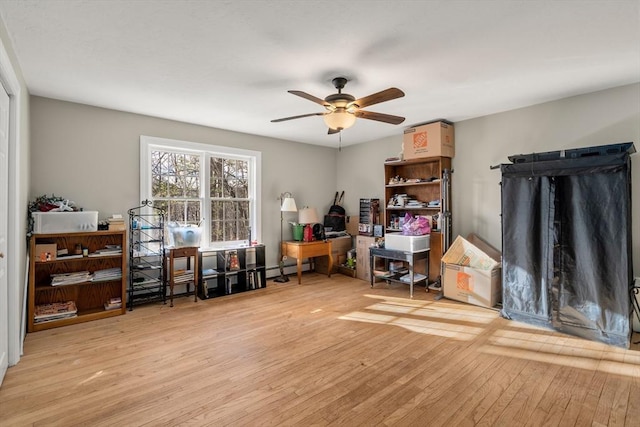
pixel 89 296
pixel 231 270
pixel 421 180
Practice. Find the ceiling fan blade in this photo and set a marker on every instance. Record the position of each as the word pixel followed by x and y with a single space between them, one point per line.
pixel 312 98
pixel 332 131
pixel 387 118
pixel 296 117
pixel 385 95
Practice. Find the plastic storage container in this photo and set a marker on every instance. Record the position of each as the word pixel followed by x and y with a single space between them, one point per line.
pixel 64 222
pixel 182 237
pixel 400 242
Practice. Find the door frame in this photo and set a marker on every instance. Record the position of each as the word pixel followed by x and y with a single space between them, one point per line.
pixel 16 257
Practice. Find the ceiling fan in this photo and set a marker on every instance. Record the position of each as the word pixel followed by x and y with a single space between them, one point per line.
pixel 342 108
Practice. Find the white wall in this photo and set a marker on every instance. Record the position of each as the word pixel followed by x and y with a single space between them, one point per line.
pixel 361 171
pixel 599 118
pixel 91 156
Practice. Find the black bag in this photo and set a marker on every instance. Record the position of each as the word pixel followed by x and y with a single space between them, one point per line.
pixel 336 219
pixel 336 209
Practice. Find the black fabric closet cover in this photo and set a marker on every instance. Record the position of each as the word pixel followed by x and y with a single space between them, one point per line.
pixel 566 230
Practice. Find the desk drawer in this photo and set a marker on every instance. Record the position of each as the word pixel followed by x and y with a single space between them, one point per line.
pixel 308 250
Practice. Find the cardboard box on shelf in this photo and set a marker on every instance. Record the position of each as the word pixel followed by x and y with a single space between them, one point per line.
pixel 352 224
pixel 117 226
pixel 429 140
pixel 116 223
pixel 472 272
pixel 45 252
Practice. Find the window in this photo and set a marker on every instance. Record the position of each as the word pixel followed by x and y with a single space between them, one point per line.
pixel 211 186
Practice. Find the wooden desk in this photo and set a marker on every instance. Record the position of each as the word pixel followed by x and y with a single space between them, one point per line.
pixel 302 250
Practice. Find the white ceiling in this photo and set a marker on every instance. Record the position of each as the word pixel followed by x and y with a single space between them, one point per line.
pixel 228 64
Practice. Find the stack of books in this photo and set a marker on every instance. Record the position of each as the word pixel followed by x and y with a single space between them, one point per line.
pixel 107 274
pixel 107 250
pixel 254 280
pixel 64 254
pixel 116 223
pixel 55 311
pixel 181 276
pixel 413 203
pixel 113 303
pixel 70 278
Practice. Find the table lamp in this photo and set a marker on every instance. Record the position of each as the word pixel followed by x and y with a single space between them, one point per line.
pixel 287 204
pixel 309 217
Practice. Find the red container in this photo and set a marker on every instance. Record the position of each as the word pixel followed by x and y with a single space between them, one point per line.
pixel 308 233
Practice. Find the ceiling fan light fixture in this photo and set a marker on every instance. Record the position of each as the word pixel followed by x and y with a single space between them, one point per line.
pixel 342 109
pixel 339 119
pixel 351 108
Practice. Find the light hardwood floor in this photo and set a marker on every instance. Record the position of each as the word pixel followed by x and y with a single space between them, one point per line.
pixel 327 352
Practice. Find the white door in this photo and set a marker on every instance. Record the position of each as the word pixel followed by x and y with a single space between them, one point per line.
pixel 4 213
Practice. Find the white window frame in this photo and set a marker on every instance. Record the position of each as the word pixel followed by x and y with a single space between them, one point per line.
pixel 253 158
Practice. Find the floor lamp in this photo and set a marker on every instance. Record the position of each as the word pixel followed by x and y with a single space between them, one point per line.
pixel 288 204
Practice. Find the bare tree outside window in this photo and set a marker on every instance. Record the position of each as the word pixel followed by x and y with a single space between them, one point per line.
pixel 175 185
pixel 229 192
pixel 176 181
pixel 211 186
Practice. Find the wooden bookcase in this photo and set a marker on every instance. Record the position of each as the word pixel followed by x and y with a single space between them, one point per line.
pixel 89 296
pixel 421 179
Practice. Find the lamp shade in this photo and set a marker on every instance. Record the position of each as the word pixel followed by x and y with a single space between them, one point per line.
pixel 308 216
pixel 339 119
pixel 288 204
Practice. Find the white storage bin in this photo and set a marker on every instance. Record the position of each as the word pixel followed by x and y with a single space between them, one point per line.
pixel 182 237
pixel 400 242
pixel 64 222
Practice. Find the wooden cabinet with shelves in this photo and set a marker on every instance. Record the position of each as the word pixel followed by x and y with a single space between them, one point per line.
pixel 231 270
pixel 418 181
pixel 90 293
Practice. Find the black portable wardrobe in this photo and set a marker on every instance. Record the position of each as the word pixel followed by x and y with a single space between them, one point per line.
pixel 566 244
